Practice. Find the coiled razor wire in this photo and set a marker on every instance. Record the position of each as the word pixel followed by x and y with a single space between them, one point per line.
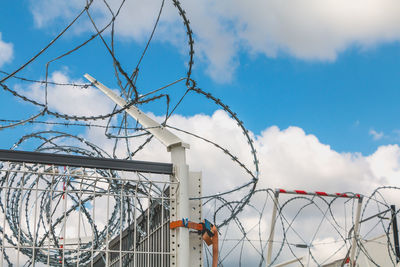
pixel 310 230
pixel 28 186
pixel 239 236
pixel 122 133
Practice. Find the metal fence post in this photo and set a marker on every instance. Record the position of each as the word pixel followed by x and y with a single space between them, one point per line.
pixel 356 232
pixel 272 229
pixel 178 158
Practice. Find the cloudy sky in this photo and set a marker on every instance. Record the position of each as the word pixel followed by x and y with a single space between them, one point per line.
pixel 322 74
pixel 315 82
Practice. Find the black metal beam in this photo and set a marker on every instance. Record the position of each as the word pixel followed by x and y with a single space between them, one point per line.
pixel 395 232
pixel 87 162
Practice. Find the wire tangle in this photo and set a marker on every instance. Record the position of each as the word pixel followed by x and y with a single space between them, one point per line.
pixel 311 230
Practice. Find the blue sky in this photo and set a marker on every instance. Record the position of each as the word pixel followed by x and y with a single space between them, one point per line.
pixel 340 101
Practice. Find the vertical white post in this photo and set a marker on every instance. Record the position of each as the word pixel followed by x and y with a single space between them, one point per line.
pixel 178 158
pixel 272 229
pixel 356 232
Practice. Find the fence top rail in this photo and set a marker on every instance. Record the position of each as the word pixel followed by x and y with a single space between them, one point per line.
pixel 87 162
pixel 317 193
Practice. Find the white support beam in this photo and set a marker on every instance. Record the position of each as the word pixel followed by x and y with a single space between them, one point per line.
pixel 161 133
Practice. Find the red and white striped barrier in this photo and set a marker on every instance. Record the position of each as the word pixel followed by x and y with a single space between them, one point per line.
pixel 318 193
pixel 313 193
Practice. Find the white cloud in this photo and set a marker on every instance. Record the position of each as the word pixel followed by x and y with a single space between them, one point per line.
pixel 311 29
pixel 305 29
pixel 46 11
pixel 376 135
pixel 289 158
pixel 292 159
pixel 6 51
pixel 385 164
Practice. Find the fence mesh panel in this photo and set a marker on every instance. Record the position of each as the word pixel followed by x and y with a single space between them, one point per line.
pixel 70 216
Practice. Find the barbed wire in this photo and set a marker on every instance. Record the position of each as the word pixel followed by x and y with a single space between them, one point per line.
pixel 127 92
pixel 322 239
pixel 230 209
pixel 50 140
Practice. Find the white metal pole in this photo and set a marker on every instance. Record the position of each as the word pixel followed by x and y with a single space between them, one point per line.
pixel 356 232
pixel 272 230
pixel 178 158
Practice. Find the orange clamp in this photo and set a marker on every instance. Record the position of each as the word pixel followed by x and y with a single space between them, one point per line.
pixel 209 233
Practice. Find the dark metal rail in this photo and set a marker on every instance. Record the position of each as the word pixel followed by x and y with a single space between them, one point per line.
pixel 87 162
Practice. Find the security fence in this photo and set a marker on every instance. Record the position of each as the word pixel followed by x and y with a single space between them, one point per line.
pixel 60 210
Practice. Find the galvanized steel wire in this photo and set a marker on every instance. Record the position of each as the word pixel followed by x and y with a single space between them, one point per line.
pixel 226 213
